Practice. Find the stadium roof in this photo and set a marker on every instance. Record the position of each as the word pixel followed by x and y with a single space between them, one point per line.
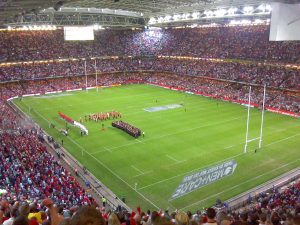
pixel 29 11
pixel 159 7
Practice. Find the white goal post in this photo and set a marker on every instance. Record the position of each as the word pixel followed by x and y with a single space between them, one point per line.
pixel 248 120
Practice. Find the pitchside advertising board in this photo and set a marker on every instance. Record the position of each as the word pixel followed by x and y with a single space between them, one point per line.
pixel 285 22
pixel 204 177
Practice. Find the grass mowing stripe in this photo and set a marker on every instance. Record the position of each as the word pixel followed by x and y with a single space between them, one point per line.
pixel 111 171
pixel 141 172
pixel 223 160
pixel 199 147
pixel 167 135
pixel 172 158
pixel 238 185
pixel 275 142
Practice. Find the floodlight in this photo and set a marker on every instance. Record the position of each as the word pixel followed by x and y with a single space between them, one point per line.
pixel 233 22
pixel 160 19
pixel 152 20
pixel 95 26
pixel 176 17
pixel 268 8
pixel 208 13
pixel 245 22
pixel 185 15
pixel 220 12
pixel 231 11
pixel 167 17
pixel 258 21
pixel 195 15
pixel 248 9
pixel 262 7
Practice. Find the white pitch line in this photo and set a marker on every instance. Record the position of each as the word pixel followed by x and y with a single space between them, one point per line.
pixel 93 153
pixel 235 186
pixel 172 158
pixel 110 170
pixel 181 161
pixel 96 101
pixel 120 146
pixel 211 164
pixel 181 174
pixel 107 149
pixel 229 146
pixel 116 175
pixel 282 140
pixel 170 134
pixel 141 172
pixel 167 178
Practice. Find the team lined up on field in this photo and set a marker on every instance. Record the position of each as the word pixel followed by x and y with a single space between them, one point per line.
pixel 101 116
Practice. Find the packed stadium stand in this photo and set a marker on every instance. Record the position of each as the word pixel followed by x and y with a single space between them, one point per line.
pixel 219 62
pixel 241 42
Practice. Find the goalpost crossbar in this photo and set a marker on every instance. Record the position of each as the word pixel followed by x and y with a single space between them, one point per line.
pixel 250 140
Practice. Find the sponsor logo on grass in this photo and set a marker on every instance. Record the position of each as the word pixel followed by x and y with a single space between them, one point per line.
pixel 204 177
pixel 161 108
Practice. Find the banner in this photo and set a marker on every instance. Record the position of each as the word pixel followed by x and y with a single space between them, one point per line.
pixel 81 127
pixel 204 177
pixel 66 118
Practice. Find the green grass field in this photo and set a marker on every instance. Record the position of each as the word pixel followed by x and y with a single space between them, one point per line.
pixel 177 142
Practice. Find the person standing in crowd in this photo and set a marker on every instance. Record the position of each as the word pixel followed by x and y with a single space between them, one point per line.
pixel 103 201
pixel 211 215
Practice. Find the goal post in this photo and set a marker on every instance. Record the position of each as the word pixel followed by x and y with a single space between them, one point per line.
pixel 85 73
pixel 248 119
pixel 261 123
pixel 262 118
pixel 96 74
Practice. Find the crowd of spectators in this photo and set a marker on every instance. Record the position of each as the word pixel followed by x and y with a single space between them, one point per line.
pixel 241 42
pixel 234 71
pixel 27 170
pixel 282 100
pixel 27 180
pixel 36 71
pixel 278 207
pixel 271 76
pixel 29 173
pixel 232 91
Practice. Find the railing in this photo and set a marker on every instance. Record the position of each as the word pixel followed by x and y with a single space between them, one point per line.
pixel 242 200
pixel 98 187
